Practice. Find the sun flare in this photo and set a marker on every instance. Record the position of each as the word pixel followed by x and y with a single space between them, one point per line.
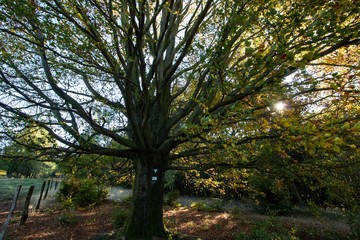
pixel 280 106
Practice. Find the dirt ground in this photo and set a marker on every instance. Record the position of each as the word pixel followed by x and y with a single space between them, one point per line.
pixel 54 223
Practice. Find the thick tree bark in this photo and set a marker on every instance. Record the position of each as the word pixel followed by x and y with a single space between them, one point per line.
pixel 146 218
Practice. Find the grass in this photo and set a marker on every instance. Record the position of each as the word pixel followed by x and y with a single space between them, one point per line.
pixel 9 185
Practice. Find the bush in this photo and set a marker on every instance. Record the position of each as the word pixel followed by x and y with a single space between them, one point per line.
pixel 354 221
pixel 170 178
pixel 199 206
pixel 119 217
pixel 271 196
pixel 127 201
pixel 81 192
pixel 171 197
pixel 215 205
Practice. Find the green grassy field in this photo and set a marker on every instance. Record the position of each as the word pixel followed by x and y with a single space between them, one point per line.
pixel 8 187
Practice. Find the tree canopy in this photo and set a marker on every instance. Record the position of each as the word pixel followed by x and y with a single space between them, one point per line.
pixel 157 82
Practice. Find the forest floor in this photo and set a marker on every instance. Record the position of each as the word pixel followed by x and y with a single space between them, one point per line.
pixel 95 223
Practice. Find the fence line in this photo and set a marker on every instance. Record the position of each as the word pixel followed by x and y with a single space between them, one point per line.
pixel 25 211
pixel 41 193
pixel 12 209
pixel 47 189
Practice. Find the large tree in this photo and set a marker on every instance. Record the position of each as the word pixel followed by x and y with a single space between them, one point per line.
pixel 164 80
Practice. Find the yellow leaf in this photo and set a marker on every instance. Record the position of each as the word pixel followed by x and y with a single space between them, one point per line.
pixel 286 124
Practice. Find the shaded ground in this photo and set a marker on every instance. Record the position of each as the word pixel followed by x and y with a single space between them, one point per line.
pixel 57 224
pixel 53 223
pixel 229 224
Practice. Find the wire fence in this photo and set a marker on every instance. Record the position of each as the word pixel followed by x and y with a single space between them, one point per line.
pixel 32 201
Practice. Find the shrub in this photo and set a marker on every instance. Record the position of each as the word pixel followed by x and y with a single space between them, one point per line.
pixel 217 204
pixel 314 209
pixel 354 221
pixel 271 198
pixel 172 197
pixel 199 206
pixel 127 201
pixel 170 178
pixel 67 203
pixel 81 192
pixel 214 206
pixel 119 217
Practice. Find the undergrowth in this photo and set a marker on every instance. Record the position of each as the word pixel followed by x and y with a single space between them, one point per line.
pixel 215 205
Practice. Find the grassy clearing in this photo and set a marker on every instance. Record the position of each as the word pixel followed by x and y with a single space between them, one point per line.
pixel 8 187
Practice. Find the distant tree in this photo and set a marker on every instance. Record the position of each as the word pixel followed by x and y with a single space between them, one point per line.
pixel 165 80
pixel 20 163
pixel 25 153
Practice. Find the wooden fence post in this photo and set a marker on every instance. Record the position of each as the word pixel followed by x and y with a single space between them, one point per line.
pixel 41 193
pixel 47 189
pixel 56 184
pixel 25 212
pixel 12 209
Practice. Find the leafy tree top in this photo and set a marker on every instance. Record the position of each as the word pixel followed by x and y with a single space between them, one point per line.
pixel 154 75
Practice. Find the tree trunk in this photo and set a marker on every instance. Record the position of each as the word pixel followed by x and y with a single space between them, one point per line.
pixel 298 196
pixel 146 217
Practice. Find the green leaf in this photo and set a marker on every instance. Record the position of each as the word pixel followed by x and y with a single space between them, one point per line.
pixel 356 126
pixel 338 140
pixel 345 125
pixel 336 148
pixel 248 51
